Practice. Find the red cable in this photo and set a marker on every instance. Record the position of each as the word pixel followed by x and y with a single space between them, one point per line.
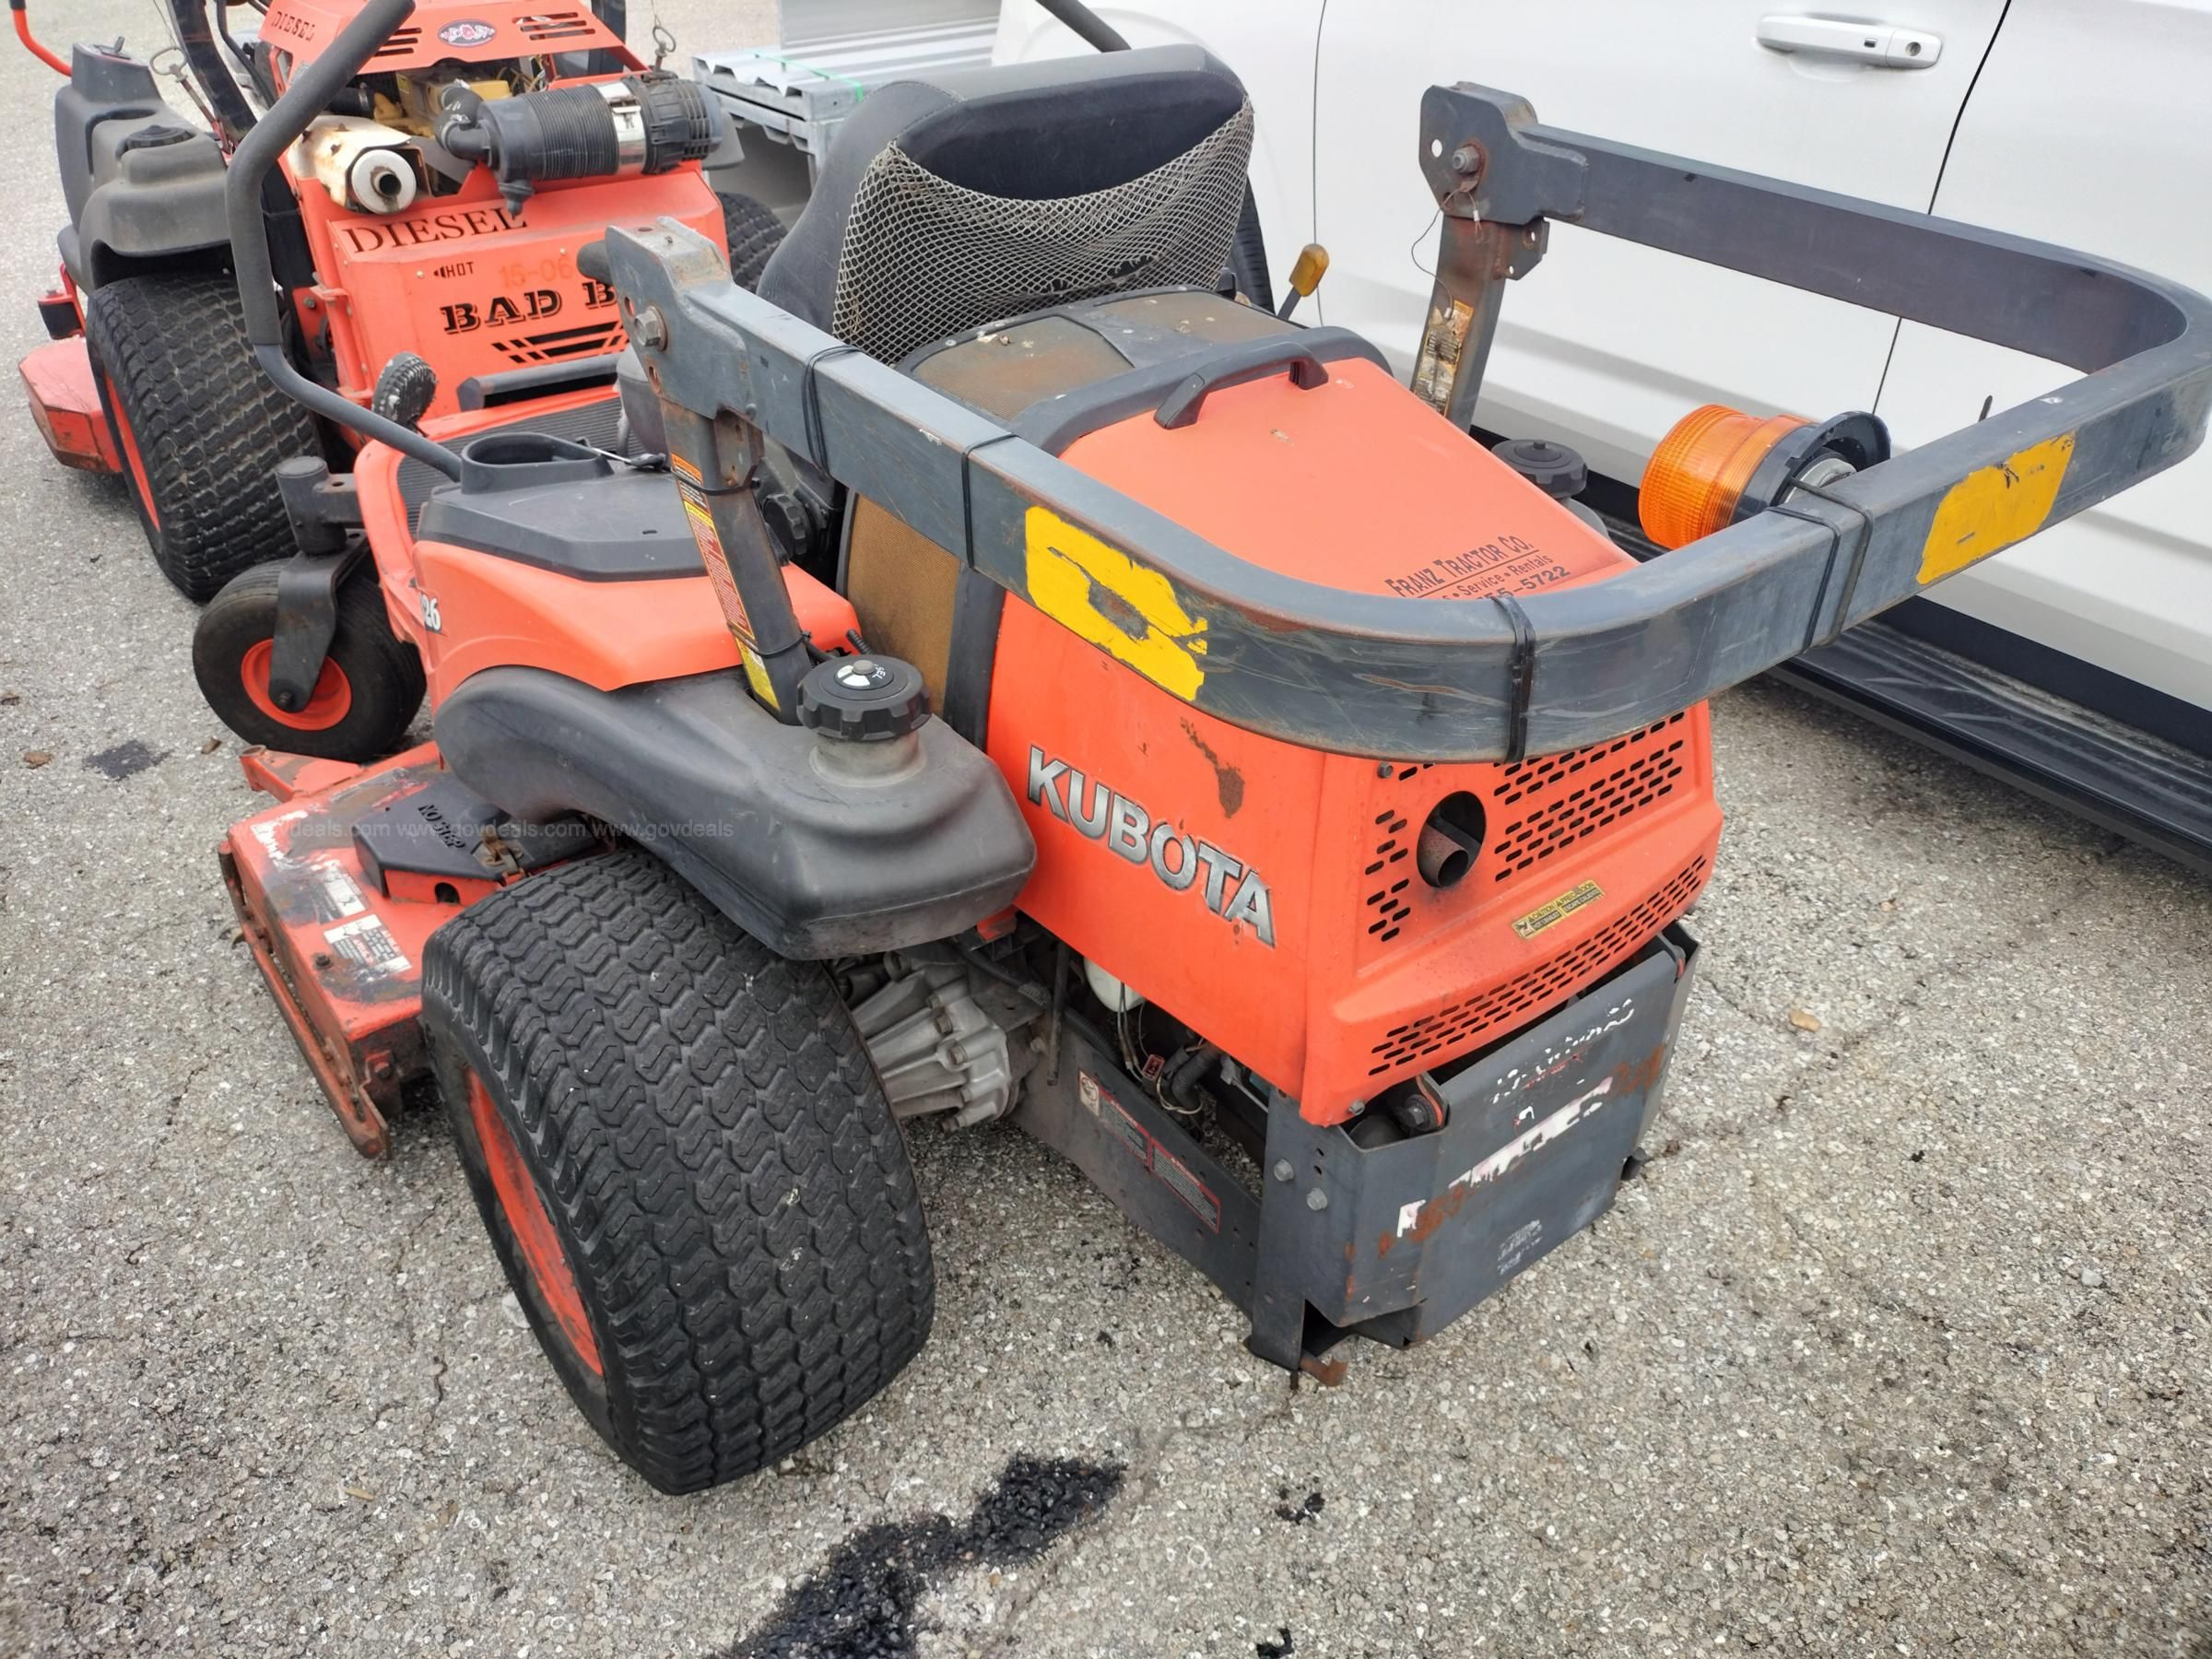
pixel 23 34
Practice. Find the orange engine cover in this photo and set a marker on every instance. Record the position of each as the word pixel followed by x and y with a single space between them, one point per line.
pixel 438 31
pixel 1267 895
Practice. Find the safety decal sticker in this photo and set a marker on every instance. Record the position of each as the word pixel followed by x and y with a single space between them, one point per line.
pixel 338 895
pixel 1422 1217
pixel 701 516
pixel 1186 1186
pixel 1559 910
pixel 1994 507
pixel 1113 1118
pixel 1102 596
pixel 1172 1172
pixel 366 940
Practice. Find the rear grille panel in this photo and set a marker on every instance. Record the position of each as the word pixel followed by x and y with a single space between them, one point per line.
pixel 1551 803
pixel 1451 1030
pixel 1388 874
pixel 1385 876
pixel 555 26
pixel 596 339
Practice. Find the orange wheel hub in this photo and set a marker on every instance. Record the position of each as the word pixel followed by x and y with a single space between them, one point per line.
pixel 133 460
pixel 543 1258
pixel 327 705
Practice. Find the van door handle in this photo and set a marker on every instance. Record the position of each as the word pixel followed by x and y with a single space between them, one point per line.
pixel 1878 45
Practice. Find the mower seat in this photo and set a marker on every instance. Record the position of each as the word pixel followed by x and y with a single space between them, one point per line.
pixel 948 203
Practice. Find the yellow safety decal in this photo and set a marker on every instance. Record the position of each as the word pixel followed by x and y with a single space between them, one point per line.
pixel 1101 594
pixel 700 515
pixel 1559 910
pixel 1994 508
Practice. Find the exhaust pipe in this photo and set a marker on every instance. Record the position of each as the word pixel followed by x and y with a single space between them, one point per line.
pixel 308 96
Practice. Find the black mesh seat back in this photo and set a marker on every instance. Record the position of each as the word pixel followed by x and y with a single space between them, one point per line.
pixel 945 204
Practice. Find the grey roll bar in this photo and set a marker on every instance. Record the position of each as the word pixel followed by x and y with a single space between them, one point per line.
pixel 1489 679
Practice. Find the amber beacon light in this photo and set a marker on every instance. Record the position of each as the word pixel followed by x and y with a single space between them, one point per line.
pixel 1696 478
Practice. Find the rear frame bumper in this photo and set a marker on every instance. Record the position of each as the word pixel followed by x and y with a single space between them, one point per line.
pixel 1394 1242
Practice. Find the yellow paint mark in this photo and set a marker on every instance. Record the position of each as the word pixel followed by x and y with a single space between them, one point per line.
pixel 1994 508
pixel 1559 910
pixel 1099 594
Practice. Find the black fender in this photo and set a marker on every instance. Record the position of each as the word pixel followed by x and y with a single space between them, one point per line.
pixel 811 864
pixel 141 186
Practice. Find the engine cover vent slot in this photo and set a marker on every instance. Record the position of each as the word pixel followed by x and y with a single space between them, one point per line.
pixel 1442 1035
pixel 1564 799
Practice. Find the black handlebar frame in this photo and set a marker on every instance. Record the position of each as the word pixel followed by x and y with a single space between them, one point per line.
pixel 1496 678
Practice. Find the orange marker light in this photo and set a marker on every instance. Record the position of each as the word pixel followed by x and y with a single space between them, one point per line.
pixel 1697 474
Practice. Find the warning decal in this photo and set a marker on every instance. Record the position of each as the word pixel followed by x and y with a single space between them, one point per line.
pixel 1186 1186
pixel 1173 1173
pixel 366 940
pixel 701 516
pixel 1559 910
pixel 338 895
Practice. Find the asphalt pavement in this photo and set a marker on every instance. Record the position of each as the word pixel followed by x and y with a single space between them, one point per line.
pixel 1901 1345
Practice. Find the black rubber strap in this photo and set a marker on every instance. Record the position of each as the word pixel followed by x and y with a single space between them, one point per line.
pixel 1828 573
pixel 968 497
pixel 1858 557
pixel 742 488
pixel 817 444
pixel 1521 674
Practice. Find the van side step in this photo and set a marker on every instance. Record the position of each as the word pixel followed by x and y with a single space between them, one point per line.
pixel 2117 777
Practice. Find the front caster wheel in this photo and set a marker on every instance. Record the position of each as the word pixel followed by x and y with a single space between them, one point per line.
pixel 686 1163
pixel 364 700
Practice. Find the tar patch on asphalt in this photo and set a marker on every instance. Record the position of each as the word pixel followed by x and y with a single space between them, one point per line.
pixel 862 1601
pixel 125 761
pixel 1301 1513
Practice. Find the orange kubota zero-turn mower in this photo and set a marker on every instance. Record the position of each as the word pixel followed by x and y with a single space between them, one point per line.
pixel 431 210
pixel 1191 746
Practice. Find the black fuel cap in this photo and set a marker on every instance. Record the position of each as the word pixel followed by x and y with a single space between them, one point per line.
pixel 1553 468
pixel 863 699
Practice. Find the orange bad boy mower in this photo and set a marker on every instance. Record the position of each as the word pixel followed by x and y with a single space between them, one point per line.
pixel 1190 746
pixel 433 207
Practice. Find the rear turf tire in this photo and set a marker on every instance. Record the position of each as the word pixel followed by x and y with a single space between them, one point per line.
pixel 686 1163
pixel 367 697
pixel 199 428
pixel 751 231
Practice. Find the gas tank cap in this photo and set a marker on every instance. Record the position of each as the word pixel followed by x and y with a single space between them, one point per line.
pixel 864 699
pixel 1560 472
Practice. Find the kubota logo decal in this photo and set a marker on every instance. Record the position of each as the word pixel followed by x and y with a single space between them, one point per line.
pixel 1229 891
pixel 467 32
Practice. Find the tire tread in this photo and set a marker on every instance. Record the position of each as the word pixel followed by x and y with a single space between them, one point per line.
pixel 716 1149
pixel 210 427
